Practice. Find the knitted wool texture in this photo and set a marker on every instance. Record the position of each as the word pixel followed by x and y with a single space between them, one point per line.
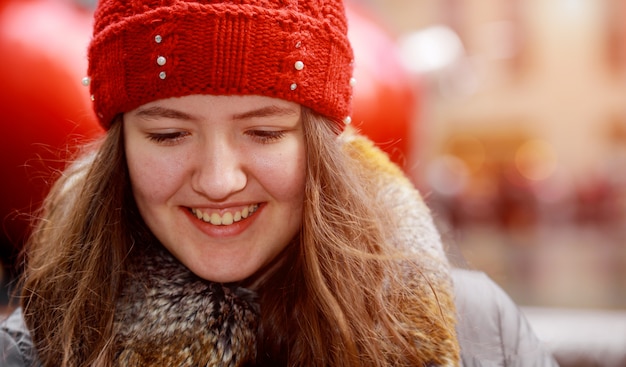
pixel 296 50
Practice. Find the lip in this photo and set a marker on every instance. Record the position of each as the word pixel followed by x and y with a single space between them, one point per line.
pixel 218 231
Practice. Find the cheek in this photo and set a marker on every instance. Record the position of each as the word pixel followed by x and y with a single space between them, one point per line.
pixel 283 174
pixel 153 177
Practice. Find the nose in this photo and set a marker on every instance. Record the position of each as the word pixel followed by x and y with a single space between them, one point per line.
pixel 219 171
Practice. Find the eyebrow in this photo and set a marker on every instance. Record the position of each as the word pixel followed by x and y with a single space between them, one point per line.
pixel 268 111
pixel 156 111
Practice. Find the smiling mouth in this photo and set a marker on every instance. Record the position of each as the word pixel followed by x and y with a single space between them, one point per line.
pixel 227 218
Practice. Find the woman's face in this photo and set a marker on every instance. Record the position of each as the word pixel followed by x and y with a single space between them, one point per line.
pixel 219 180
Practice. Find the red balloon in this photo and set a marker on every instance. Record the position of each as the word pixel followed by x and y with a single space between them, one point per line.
pixel 385 94
pixel 45 110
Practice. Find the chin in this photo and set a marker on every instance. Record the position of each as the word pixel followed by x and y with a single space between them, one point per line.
pixel 224 276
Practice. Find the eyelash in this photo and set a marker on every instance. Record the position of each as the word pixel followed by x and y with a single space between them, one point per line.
pixel 167 137
pixel 266 136
pixel 261 136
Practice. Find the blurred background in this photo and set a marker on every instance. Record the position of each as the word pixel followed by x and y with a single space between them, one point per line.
pixel 509 115
pixel 520 141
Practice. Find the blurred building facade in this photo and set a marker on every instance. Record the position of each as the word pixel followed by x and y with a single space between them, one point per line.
pixel 520 143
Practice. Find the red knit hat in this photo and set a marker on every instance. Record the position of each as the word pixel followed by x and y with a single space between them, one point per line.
pixel 296 50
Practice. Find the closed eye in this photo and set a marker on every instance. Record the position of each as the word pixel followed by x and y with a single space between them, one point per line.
pixel 167 138
pixel 266 136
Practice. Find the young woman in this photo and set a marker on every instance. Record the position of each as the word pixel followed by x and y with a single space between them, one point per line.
pixel 229 217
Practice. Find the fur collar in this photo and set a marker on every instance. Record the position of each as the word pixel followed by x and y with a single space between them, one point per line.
pixel 415 232
pixel 169 317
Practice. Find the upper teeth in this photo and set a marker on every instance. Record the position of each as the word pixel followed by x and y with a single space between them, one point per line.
pixel 226 218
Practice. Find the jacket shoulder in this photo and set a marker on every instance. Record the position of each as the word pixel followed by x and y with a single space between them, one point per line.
pixel 491 328
pixel 16 346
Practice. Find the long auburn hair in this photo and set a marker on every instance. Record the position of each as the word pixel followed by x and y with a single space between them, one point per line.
pixel 346 295
pixel 337 297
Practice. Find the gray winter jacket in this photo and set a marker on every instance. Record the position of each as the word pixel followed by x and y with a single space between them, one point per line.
pixel 491 329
